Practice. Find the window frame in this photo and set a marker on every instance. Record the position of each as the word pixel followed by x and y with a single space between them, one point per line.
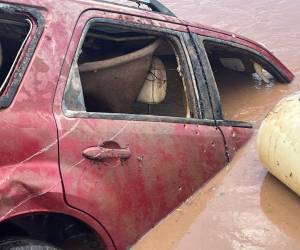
pixel 211 82
pixel 25 53
pixel 186 64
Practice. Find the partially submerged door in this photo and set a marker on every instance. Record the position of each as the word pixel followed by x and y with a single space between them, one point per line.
pixel 133 144
pixel 240 76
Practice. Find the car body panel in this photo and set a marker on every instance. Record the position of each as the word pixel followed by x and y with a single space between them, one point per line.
pixel 168 162
pixel 236 138
pixel 29 161
pixel 30 178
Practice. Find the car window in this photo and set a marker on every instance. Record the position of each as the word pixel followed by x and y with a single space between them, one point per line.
pixel 14 32
pixel 121 70
pixel 242 79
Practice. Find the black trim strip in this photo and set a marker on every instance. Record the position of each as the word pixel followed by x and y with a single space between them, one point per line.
pixel 204 98
pixel 234 123
pixel 133 117
pixel 209 79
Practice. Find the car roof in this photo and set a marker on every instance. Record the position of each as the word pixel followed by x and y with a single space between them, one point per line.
pixel 108 5
pixel 80 6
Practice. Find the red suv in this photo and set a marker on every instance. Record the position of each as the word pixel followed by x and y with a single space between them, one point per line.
pixel 112 116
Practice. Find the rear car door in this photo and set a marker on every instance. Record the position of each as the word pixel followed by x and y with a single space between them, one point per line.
pixel 124 159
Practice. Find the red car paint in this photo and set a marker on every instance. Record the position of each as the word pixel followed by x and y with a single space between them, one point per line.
pixel 42 168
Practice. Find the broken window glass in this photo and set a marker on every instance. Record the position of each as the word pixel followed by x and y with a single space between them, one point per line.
pixel 120 70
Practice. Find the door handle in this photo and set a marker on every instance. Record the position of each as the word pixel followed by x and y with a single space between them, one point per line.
pixel 98 153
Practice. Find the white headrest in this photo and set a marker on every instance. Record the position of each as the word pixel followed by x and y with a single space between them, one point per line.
pixel 155 86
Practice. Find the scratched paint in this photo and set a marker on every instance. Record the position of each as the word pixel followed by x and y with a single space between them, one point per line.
pixel 29 150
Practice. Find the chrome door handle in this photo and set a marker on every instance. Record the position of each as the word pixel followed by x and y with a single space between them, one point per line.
pixel 98 153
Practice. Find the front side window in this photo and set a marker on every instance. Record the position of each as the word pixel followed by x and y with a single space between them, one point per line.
pixel 126 71
pixel 14 32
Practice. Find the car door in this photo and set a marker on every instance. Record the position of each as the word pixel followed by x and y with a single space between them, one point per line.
pixel 240 75
pixel 130 170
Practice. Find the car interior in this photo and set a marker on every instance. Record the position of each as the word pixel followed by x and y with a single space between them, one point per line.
pixel 238 72
pixel 122 70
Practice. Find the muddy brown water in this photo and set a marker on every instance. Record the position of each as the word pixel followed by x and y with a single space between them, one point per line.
pixel 243 207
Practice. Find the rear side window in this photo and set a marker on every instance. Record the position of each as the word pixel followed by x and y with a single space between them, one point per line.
pixel 14 32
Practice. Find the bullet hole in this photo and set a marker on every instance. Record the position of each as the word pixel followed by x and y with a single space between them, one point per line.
pixel 277 163
pixel 291 174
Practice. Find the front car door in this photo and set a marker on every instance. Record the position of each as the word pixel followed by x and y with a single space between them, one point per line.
pixel 124 159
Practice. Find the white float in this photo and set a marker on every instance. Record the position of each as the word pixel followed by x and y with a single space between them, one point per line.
pixel 278 142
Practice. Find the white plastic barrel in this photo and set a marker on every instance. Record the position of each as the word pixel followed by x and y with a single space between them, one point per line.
pixel 278 142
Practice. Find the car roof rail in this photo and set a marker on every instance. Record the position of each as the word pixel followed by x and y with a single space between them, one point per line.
pixel 153 5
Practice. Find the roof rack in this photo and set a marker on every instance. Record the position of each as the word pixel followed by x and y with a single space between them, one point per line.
pixel 153 5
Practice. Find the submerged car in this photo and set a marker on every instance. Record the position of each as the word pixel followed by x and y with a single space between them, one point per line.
pixel 111 117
